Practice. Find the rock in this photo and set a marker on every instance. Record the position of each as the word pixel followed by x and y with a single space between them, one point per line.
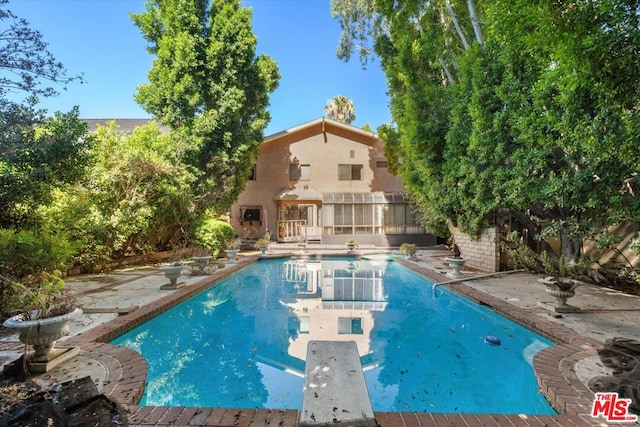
pixel 74 403
pixel 627 386
pixel 622 355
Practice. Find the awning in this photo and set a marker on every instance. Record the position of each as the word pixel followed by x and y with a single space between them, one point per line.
pixel 359 198
pixel 299 192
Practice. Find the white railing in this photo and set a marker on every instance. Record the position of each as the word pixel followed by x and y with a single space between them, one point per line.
pixel 292 231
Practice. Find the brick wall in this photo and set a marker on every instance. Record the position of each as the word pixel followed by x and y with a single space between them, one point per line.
pixel 482 253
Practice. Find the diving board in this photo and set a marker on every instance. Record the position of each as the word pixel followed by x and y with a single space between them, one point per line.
pixel 334 389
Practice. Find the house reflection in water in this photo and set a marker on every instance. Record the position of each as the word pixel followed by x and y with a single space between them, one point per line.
pixel 332 300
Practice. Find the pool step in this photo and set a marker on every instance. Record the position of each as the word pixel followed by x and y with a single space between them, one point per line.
pixel 334 389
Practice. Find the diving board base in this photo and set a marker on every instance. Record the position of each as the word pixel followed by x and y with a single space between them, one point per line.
pixel 335 393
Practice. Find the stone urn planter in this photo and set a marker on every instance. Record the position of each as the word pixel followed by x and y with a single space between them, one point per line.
pixel 201 262
pixel 43 333
pixel 263 244
pixel 455 263
pixel 561 290
pixel 232 254
pixel 351 245
pixel 171 272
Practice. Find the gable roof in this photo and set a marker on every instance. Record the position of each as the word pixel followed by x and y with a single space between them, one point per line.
pixel 296 133
pixel 323 125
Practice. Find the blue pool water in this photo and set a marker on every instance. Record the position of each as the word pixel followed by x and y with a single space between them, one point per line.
pixel 242 343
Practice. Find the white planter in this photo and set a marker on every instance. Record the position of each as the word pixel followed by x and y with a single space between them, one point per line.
pixel 561 293
pixel 42 334
pixel 172 272
pixel 455 264
pixel 232 254
pixel 263 249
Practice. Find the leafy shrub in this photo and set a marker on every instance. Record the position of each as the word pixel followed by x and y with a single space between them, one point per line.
pixel 408 249
pixel 39 154
pixel 137 197
pixel 29 255
pixel 35 297
pixel 75 213
pixel 212 234
pixel 27 252
pixel 142 187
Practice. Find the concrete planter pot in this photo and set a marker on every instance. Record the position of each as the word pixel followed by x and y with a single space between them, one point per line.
pixel 561 290
pixel 456 264
pixel 172 272
pixel 232 254
pixel 42 334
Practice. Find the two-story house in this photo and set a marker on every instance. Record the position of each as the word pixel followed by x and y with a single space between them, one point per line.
pixel 326 181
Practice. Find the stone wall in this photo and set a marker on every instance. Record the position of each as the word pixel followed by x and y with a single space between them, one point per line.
pixel 483 253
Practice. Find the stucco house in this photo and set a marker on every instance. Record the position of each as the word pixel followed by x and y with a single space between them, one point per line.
pixel 325 181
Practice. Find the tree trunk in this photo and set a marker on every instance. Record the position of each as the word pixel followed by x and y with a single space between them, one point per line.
pixel 446 71
pixel 475 22
pixel 452 14
pixel 532 229
pixel 571 247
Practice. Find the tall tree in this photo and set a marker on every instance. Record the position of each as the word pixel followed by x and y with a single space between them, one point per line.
pixel 208 84
pixel 25 60
pixel 538 116
pixel 37 153
pixel 340 109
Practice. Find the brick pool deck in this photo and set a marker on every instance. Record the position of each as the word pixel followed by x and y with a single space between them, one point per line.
pixel 554 370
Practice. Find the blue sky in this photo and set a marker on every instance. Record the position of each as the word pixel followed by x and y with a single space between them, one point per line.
pixel 98 39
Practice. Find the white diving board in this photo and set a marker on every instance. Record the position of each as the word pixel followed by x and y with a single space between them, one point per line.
pixel 334 389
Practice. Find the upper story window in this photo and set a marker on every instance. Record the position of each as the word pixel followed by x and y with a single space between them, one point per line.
pixel 350 172
pixel 381 163
pixel 294 172
pixel 305 172
pixel 252 177
pixel 298 172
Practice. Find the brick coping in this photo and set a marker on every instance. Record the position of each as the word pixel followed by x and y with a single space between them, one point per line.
pixel 553 369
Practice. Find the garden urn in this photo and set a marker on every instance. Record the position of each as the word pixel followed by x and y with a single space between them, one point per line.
pixel 43 333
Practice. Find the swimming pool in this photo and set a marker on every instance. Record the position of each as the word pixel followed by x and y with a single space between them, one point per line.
pixel 242 343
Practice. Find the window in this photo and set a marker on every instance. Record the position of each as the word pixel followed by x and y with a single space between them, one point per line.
pixel 298 172
pixel 252 177
pixel 370 219
pixel 349 172
pixel 350 325
pixel 381 163
pixel 294 172
pixel 305 172
pixel 250 213
pixel 343 219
